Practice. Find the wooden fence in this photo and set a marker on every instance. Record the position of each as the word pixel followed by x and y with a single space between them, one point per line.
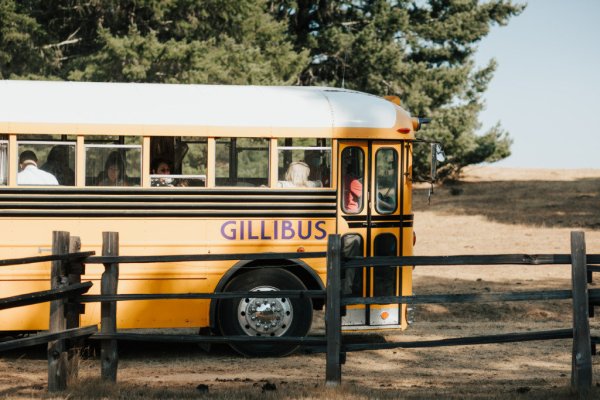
pixel 65 286
pixel 584 301
pixel 67 296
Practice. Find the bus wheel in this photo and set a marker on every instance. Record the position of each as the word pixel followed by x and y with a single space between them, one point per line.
pixel 267 316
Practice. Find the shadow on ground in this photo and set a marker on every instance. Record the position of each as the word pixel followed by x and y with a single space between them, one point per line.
pixel 565 204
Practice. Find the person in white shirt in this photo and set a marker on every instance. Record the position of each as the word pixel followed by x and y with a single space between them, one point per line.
pixel 29 174
pixel 297 176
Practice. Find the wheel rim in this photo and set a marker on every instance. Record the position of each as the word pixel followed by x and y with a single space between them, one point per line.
pixel 265 316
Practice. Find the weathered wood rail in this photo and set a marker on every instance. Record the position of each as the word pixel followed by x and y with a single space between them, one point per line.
pixel 67 297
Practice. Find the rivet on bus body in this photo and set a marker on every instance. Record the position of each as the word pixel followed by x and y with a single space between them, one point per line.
pixel 384 315
pixel 300 250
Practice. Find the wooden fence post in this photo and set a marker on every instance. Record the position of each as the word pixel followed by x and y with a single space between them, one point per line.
pixel 581 370
pixel 110 279
pixel 74 309
pixel 57 349
pixel 333 319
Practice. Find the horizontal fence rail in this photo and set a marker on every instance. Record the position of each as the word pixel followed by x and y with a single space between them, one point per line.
pixel 44 296
pixel 201 257
pixel 166 338
pixel 43 338
pixel 219 295
pixel 479 260
pixel 463 341
pixel 50 257
pixel 594 295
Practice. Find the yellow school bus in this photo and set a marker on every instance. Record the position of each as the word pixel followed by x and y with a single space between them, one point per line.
pixel 202 169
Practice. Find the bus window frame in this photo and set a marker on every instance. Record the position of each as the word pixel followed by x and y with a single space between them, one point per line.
pixel 233 151
pixel 361 178
pixel 52 143
pixel 4 181
pixel 379 201
pixel 86 146
pixel 275 164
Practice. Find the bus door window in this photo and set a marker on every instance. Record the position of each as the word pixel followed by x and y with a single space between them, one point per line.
pixel 384 279
pixel 3 161
pixel 53 154
pixel 353 167
pixel 242 162
pixel 304 162
pixel 178 161
pixel 113 164
pixel 386 180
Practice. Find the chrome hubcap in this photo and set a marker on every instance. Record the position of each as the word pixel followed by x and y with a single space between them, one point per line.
pixel 265 316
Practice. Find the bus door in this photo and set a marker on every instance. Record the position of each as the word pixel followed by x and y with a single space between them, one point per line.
pixel 370 221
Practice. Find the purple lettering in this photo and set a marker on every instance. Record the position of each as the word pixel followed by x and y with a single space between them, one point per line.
pixel 241 230
pixel 250 235
pixel 287 232
pixel 300 230
pixel 230 235
pixel 320 229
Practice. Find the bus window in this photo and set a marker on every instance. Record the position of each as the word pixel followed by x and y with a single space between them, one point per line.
pixel 178 161
pixel 386 180
pixel 113 165
pixel 51 155
pixel 242 162
pixel 3 161
pixel 353 162
pixel 304 162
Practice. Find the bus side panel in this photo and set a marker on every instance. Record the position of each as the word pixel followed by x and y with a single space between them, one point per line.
pixel 29 237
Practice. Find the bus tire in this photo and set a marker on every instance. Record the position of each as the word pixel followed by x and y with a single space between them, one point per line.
pixel 265 316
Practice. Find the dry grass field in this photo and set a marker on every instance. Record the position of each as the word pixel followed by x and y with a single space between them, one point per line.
pixel 490 211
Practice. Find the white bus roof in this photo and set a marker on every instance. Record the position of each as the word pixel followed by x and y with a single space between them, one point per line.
pixel 35 103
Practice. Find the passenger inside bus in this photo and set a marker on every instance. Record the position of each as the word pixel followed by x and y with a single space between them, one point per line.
pixel 29 174
pixel 297 176
pixel 160 166
pixel 352 184
pixel 319 171
pixel 114 171
pixel 57 163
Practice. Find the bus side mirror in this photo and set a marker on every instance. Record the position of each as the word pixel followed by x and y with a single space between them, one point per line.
pixel 437 155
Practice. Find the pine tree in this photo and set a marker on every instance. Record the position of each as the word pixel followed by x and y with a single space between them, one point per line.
pixel 184 41
pixel 19 38
pixel 421 51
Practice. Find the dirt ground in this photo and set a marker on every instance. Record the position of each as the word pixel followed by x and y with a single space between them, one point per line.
pixel 491 211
